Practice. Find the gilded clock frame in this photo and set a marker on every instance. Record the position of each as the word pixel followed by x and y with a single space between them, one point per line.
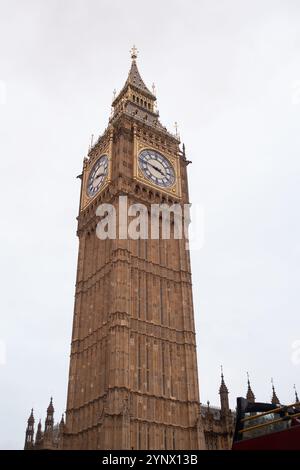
pixel 175 189
pixel 85 199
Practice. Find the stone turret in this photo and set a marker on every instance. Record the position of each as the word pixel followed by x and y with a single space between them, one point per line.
pixel 223 392
pixel 29 435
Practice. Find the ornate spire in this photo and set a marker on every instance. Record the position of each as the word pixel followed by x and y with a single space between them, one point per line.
pixel 275 399
pixel 135 82
pixel 296 394
pixel 250 395
pixel 49 421
pixel 29 431
pixel 137 102
pixel 50 409
pixel 31 417
pixel 223 391
pixel 223 388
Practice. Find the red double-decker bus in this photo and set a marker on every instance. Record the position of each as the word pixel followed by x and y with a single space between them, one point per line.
pixel 265 426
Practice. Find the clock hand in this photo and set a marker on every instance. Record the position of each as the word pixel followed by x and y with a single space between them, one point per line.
pixel 157 169
pixel 98 176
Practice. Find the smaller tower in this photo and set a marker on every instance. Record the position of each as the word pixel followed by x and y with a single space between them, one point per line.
pixel 62 423
pixel 29 432
pixel 39 434
pixel 250 395
pixel 223 392
pixel 49 421
pixel 275 399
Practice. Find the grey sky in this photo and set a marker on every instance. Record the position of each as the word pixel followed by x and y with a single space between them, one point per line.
pixel 229 73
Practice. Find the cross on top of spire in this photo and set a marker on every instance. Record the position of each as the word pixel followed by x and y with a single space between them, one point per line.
pixel 134 80
pixel 134 52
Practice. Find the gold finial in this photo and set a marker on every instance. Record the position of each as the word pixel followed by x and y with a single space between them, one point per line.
pixel 133 52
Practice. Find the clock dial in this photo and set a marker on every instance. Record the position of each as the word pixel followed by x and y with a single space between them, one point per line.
pixel 97 175
pixel 156 168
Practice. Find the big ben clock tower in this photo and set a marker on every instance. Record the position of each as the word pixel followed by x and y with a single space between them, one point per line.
pixel 133 381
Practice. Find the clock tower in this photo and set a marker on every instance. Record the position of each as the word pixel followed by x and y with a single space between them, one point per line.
pixel 133 381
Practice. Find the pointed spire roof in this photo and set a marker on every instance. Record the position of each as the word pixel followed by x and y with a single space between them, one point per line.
pixel 134 80
pixel 50 409
pixel 296 394
pixel 62 421
pixel 275 399
pixel 223 388
pixel 31 417
pixel 250 395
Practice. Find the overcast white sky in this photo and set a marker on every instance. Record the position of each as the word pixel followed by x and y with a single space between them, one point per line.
pixel 229 73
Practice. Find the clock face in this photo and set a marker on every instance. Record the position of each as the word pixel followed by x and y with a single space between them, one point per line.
pixel 97 175
pixel 156 168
